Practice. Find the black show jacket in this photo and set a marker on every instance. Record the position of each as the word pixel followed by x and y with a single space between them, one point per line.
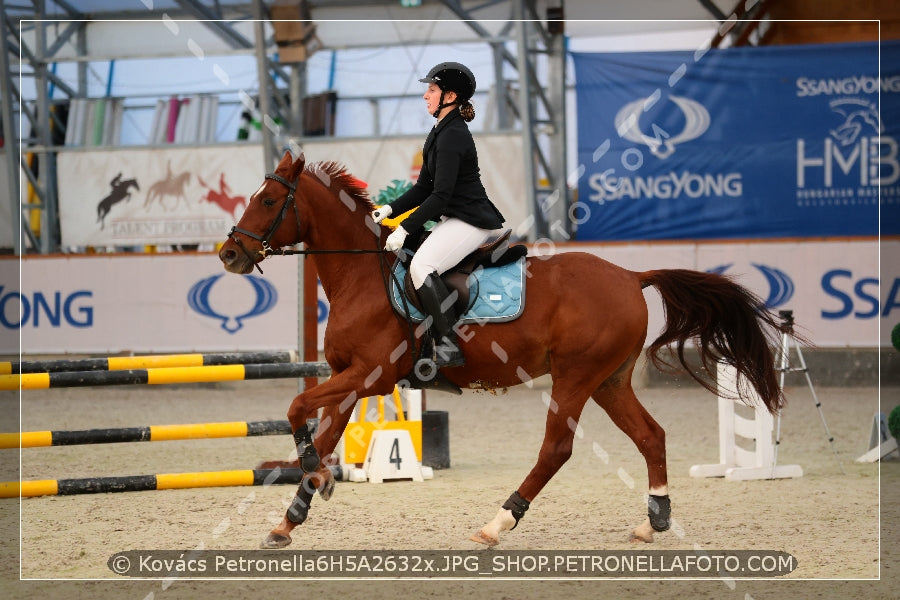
pixel 449 183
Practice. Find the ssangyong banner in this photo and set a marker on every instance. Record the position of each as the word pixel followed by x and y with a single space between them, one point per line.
pixel 147 304
pixel 188 303
pixel 758 142
pixel 154 196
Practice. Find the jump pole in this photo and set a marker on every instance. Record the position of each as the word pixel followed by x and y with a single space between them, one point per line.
pixel 163 375
pixel 118 363
pixel 143 483
pixel 150 433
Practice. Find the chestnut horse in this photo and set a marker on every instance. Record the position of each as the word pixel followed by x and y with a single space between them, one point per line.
pixel 584 323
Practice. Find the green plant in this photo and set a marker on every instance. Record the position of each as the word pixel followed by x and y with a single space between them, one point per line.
pixel 396 189
pixel 894 422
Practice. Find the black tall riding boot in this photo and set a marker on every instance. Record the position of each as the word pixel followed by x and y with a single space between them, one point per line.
pixel 433 295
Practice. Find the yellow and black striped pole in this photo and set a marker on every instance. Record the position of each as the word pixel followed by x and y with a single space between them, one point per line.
pixel 143 483
pixel 163 375
pixel 153 361
pixel 148 433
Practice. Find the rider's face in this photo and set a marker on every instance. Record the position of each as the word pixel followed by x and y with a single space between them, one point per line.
pixel 432 97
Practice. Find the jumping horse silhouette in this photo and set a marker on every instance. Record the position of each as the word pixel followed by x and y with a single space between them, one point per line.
pixel 222 198
pixel 584 323
pixel 120 191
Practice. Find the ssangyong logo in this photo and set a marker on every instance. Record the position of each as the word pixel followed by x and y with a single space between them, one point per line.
pixel 661 143
pixel 781 286
pixel 199 300
pixel 607 185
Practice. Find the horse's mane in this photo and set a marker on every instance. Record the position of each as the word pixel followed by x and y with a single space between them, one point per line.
pixel 335 176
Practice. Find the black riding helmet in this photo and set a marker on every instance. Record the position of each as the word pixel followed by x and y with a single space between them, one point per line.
pixel 451 77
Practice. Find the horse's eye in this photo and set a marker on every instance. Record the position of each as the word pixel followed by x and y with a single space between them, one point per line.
pixel 269 202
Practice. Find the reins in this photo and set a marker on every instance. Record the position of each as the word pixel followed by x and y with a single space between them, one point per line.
pixel 289 252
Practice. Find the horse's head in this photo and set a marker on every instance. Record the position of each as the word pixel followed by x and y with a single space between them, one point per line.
pixel 270 221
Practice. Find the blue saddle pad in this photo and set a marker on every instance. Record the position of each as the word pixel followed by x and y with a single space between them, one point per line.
pixel 497 294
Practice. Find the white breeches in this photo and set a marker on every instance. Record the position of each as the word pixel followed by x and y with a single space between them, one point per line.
pixel 449 242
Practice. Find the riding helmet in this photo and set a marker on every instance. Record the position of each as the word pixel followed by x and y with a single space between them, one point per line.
pixel 452 76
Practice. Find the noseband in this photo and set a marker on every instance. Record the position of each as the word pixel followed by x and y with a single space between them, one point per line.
pixel 264 239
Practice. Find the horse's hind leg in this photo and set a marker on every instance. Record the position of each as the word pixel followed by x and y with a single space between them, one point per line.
pixel 617 398
pixel 570 394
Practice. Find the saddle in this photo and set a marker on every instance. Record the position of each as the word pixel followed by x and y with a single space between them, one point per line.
pixel 496 252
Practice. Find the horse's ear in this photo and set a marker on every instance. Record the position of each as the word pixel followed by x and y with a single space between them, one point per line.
pixel 286 161
pixel 297 167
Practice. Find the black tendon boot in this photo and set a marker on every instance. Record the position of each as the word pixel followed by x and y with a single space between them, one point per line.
pixel 434 297
pixel 306 451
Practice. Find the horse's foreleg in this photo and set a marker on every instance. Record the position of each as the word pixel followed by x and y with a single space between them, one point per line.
pixel 626 411
pixel 562 420
pixel 334 421
pixel 338 396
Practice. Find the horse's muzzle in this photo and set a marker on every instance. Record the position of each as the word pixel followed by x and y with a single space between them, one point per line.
pixel 234 260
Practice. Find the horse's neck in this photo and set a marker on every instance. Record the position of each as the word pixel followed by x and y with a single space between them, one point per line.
pixel 349 278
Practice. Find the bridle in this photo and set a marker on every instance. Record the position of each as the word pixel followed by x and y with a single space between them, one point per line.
pixel 269 251
pixel 264 239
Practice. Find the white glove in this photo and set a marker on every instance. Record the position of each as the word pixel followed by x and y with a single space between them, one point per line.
pixel 380 214
pixel 395 241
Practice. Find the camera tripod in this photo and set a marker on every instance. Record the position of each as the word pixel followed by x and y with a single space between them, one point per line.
pixel 784 367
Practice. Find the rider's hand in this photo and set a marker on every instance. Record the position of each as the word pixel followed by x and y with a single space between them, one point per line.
pixel 395 241
pixel 380 214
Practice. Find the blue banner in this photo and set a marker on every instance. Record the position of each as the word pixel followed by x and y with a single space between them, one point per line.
pixel 759 142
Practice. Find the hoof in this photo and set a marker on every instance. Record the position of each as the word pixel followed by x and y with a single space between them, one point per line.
pixel 482 538
pixel 326 490
pixel 275 540
pixel 642 533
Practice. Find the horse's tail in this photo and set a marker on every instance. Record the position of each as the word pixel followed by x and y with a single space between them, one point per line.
pixel 727 321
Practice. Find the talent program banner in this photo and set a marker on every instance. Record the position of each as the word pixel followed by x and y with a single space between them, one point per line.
pixel 159 196
pixel 194 195
pixel 759 142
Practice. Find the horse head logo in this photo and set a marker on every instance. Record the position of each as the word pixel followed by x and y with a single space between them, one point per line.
pixel 661 144
pixel 198 300
pixel 856 115
pixel 781 286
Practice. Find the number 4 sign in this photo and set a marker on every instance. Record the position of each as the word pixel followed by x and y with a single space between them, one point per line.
pixel 391 455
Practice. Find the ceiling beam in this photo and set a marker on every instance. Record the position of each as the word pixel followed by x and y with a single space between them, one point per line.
pixel 756 14
pixel 713 9
pixel 204 13
pixel 726 28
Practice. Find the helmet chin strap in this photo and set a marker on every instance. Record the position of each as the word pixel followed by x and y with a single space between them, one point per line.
pixel 442 105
